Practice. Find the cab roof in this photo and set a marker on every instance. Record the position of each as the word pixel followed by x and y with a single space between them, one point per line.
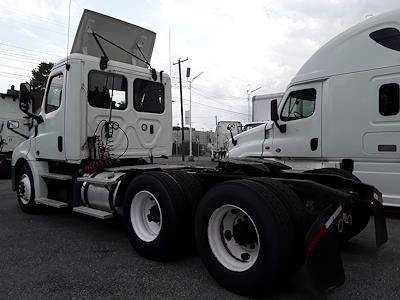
pixel 373 43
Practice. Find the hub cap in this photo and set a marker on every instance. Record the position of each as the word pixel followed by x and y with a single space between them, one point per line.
pixel 146 217
pixel 24 189
pixel 233 238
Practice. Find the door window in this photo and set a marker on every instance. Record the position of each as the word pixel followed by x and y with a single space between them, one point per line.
pixel 105 87
pixel 299 104
pixel 54 93
pixel 148 96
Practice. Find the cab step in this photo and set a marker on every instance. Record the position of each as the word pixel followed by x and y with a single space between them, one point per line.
pixel 51 202
pixel 93 212
pixel 56 176
pixel 98 181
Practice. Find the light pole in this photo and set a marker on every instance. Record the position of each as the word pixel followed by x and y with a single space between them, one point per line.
pixel 190 110
pixel 248 99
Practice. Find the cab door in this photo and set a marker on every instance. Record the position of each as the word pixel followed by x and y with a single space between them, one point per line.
pixel 50 141
pixel 300 111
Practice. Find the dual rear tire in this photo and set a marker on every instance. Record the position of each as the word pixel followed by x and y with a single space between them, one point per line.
pixel 244 232
pixel 158 213
pixel 245 236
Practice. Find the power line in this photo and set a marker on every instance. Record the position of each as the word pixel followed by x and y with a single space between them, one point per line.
pixel 15 53
pixel 202 88
pixel 210 106
pixel 14 74
pixel 26 49
pixel 35 17
pixel 11 67
pixel 33 62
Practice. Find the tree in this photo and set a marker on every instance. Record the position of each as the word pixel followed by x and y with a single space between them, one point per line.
pixel 40 75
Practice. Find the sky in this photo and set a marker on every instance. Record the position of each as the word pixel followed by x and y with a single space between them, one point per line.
pixel 239 46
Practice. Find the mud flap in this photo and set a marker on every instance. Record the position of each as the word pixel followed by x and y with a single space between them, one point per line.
pixel 376 205
pixel 324 266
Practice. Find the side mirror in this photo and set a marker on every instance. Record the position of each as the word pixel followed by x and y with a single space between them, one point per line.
pixel 275 116
pixel 25 97
pixel 274 110
pixel 12 124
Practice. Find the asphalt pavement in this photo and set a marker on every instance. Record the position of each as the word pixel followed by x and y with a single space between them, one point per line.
pixel 63 255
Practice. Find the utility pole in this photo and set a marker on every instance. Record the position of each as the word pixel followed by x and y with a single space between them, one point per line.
pixel 248 99
pixel 190 110
pixel 180 90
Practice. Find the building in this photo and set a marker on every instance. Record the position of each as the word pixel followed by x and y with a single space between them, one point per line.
pixel 200 140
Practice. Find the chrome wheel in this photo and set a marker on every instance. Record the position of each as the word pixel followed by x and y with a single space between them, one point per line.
pixel 24 189
pixel 233 238
pixel 146 216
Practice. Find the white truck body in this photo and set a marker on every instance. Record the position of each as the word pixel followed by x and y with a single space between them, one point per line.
pixel 221 137
pixel 9 111
pixel 342 107
pixel 9 140
pixel 261 106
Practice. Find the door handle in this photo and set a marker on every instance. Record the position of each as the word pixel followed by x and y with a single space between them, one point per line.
pixel 60 143
pixel 314 144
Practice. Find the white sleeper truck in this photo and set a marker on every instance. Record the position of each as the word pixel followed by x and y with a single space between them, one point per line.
pixel 106 113
pixel 341 110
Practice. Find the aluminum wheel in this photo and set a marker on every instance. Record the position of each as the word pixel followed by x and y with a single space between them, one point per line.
pixel 146 217
pixel 233 238
pixel 24 189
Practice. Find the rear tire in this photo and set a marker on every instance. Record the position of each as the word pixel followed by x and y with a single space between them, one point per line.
pixel 191 187
pixel 360 211
pixel 26 190
pixel 153 215
pixel 297 213
pixel 244 236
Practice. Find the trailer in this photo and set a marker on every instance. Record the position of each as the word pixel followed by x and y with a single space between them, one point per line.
pixel 341 110
pixel 107 113
pixel 261 106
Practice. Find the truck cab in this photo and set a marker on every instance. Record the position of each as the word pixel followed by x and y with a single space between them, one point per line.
pixel 341 110
pixel 102 102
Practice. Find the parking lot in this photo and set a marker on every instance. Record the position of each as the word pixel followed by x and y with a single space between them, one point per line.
pixel 62 255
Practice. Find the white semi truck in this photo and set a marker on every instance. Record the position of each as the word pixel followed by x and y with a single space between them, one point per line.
pixel 106 113
pixel 9 138
pixel 341 110
pixel 223 132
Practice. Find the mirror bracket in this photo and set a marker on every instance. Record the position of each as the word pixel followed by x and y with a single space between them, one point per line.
pixel 234 142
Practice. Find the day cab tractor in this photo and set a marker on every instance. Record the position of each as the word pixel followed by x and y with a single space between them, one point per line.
pixel 107 113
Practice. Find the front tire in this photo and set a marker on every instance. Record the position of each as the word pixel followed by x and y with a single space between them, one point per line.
pixel 26 190
pixel 244 236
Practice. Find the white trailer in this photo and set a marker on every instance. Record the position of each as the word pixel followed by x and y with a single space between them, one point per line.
pixel 341 110
pixel 106 112
pixel 261 106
